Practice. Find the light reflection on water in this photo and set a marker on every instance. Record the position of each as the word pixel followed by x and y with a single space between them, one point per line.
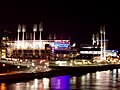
pixel 103 80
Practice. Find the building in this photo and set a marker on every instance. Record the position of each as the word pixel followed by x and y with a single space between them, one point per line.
pixel 31 48
pixel 98 50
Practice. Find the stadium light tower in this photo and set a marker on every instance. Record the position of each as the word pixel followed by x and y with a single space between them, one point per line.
pixel 34 30
pixel 101 32
pixel 97 37
pixel 104 43
pixel 40 29
pixel 18 38
pixel 23 30
pixel 93 38
pixel 19 30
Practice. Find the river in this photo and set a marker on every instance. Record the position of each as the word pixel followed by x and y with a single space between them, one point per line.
pixel 100 80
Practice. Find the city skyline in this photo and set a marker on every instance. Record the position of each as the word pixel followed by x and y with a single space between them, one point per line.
pixel 78 20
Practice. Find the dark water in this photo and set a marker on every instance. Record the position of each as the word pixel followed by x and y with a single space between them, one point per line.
pixel 103 80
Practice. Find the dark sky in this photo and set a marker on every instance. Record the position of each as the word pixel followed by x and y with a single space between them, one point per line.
pixel 75 18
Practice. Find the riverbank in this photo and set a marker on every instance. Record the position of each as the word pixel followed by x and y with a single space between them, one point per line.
pixel 5 68
pixel 78 70
pixel 57 71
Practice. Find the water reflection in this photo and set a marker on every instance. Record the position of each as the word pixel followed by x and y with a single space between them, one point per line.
pixel 103 80
pixel 3 86
pixel 60 83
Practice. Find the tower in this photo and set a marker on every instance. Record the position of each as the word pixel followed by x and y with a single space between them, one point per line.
pixel 97 38
pixel 54 36
pixel 103 43
pixel 23 30
pixel 40 29
pixel 18 38
pixel 93 39
pixel 19 30
pixel 101 32
pixel 34 30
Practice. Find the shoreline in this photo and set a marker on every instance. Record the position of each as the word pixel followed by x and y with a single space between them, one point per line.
pixel 5 68
pixel 57 71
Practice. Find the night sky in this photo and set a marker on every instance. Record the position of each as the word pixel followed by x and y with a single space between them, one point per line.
pixel 67 18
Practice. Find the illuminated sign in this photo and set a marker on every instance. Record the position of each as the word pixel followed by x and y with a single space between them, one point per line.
pixel 61 44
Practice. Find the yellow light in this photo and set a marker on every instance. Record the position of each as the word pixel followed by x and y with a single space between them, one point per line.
pixel 3 86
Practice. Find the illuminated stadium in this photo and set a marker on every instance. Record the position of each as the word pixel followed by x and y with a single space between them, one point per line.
pixel 32 48
pixel 53 49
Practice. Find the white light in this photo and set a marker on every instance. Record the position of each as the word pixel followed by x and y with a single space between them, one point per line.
pixel 36 67
pixel 36 83
pixel 19 28
pixel 20 60
pixel 28 66
pixel 18 66
pixel 40 27
pixel 23 28
pixel 35 27
pixel 74 44
pixel 46 82
pixel 33 64
pixel 3 65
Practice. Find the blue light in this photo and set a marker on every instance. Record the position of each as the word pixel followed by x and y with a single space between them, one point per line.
pixel 60 82
pixel 61 45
